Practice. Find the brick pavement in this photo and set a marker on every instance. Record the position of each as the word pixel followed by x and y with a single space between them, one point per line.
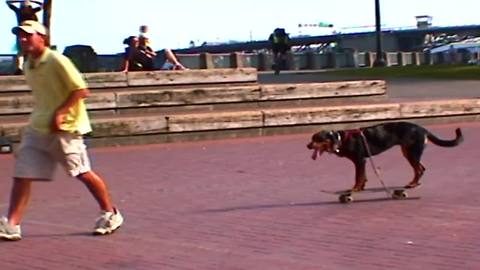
pixel 254 204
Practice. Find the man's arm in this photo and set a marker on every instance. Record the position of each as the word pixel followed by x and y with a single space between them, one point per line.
pixel 74 98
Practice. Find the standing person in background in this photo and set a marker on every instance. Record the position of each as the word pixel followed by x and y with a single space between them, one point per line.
pixel 280 45
pixel 54 134
pixel 23 13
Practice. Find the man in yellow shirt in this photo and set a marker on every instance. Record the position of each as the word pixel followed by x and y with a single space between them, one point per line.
pixel 55 132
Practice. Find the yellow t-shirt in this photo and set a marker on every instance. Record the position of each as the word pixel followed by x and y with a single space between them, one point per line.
pixel 53 77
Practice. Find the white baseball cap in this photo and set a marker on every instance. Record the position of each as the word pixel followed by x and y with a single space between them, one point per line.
pixel 30 27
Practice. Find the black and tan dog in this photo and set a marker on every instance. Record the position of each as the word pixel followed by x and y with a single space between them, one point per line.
pixel 358 144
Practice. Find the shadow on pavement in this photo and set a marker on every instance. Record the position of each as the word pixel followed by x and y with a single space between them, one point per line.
pixel 290 205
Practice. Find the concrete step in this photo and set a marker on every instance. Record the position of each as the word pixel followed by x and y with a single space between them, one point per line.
pixel 126 79
pixel 212 97
pixel 148 127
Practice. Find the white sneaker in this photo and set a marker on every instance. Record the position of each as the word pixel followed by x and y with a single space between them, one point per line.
pixel 108 222
pixel 9 232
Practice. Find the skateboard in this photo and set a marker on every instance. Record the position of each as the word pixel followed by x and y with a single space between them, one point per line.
pixel 346 196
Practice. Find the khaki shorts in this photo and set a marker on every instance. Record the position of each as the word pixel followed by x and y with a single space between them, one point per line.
pixel 38 155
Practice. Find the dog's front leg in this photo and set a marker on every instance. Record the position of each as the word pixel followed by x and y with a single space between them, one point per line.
pixel 360 175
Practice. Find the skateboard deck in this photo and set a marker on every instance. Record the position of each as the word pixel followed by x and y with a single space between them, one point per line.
pixel 346 196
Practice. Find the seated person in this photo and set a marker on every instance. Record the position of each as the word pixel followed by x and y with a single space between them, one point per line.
pixel 132 57
pixel 140 57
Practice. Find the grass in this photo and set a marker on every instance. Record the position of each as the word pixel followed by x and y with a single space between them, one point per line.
pixel 448 72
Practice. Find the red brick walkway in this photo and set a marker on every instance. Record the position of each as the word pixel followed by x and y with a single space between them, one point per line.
pixel 255 204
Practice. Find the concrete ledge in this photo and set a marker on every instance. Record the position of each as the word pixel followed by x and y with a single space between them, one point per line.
pixel 326 89
pixel 392 111
pixel 261 131
pixel 13 84
pixel 297 116
pixel 100 101
pixel 176 77
pixel 215 121
pixel 18 104
pixel 451 107
pixel 186 96
pixel 122 79
pixel 129 126
pixel 12 131
pixel 106 79
pixel 94 80
pixel 116 99
pixel 170 124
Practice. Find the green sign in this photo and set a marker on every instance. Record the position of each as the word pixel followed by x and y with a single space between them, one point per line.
pixel 324 24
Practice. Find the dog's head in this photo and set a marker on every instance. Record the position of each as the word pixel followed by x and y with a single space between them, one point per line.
pixel 322 141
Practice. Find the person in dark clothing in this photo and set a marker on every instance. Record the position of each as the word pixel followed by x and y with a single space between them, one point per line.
pixel 148 54
pixel 139 56
pixel 280 45
pixel 132 57
pixel 25 11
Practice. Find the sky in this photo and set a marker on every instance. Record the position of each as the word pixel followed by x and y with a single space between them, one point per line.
pixel 173 24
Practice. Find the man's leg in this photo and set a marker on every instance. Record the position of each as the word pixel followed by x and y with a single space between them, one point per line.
pixel 277 62
pixel 78 164
pixel 284 61
pixel 110 219
pixel 31 164
pixel 98 188
pixel 19 198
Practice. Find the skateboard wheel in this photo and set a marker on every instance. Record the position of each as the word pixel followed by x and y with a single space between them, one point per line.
pixel 345 198
pixel 399 194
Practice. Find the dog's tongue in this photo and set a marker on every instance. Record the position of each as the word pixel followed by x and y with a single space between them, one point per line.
pixel 315 154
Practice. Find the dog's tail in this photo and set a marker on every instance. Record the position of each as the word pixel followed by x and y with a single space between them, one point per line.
pixel 446 143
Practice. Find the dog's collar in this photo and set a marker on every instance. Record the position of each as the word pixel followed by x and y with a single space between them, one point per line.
pixel 336 142
pixel 341 137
